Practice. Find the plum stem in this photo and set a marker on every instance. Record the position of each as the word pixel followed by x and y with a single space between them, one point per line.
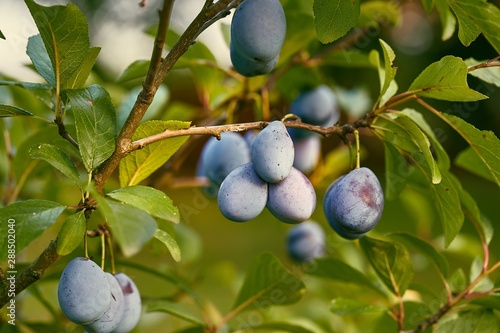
pixel 111 253
pixel 103 251
pixel 358 149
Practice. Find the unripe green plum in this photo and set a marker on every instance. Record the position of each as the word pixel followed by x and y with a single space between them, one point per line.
pixel 272 153
pixel 292 200
pixel 306 241
pixel 132 304
pixel 243 194
pixel 83 291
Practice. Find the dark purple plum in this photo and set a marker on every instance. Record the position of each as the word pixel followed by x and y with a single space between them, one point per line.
pixel 306 241
pixel 132 304
pixel 243 194
pixel 307 152
pixel 292 200
pixel 272 153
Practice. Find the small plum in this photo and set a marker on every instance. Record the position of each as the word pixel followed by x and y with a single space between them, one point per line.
pixel 132 304
pixel 292 200
pixel 83 291
pixel 307 152
pixel 243 194
pixel 272 153
pixel 306 241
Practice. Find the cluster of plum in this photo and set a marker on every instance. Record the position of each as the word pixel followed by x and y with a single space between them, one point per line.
pixel 101 302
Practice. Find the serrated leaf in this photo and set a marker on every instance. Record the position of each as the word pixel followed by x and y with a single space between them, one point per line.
pixel 334 18
pixel 474 17
pixel 39 57
pixel 149 199
pixel 31 218
pixel 425 249
pixel 476 321
pixel 58 159
pixel 484 144
pixel 138 165
pixel 176 310
pixel 71 233
pixel 131 227
pixel 13 111
pixel 80 75
pixel 266 279
pixel 337 270
pixel 64 32
pixel 445 79
pixel 170 243
pixel 391 261
pixel 345 306
pixel 487 74
pixel 95 121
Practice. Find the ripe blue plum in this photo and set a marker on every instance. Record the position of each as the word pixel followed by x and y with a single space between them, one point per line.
pixel 83 291
pixel 272 153
pixel 307 152
pixel 220 157
pixel 243 194
pixel 109 321
pixel 357 201
pixel 306 241
pixel 292 200
pixel 258 31
pixel 132 304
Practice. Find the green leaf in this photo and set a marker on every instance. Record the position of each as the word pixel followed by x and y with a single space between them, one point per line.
pixel 2 36
pixel 95 121
pixel 135 71
pixel 58 159
pixel 149 199
pixel 138 165
pixel 491 301
pixel 268 283
pixel 487 74
pixel 345 306
pixel 30 218
pixel 374 13
pixel 176 310
pixel 477 321
pixel 397 171
pixel 474 17
pixel 170 243
pixel 484 144
pixel 71 233
pixel 79 77
pixel 468 160
pixel 41 91
pixel 64 32
pixel 391 262
pixel 39 57
pixel 448 21
pixel 337 270
pixel 457 281
pixel 131 227
pixel 445 79
pixel 388 87
pixel 13 111
pixel 334 18
pixel 425 249
pixel 280 327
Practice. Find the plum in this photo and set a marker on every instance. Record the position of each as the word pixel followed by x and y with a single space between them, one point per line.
pixel 272 153
pixel 306 241
pixel 83 291
pixel 258 30
pixel 220 157
pixel 132 304
pixel 356 201
pixel 307 152
pixel 114 314
pixel 292 200
pixel 243 194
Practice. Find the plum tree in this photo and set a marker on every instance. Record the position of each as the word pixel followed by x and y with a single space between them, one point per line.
pixel 132 304
pixel 355 202
pixel 306 241
pixel 109 321
pixel 272 153
pixel 292 200
pixel 243 194
pixel 258 30
pixel 307 151
pixel 83 291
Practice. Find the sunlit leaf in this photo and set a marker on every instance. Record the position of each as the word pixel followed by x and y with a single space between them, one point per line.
pixel 58 159
pixel 345 306
pixel 487 74
pixel 334 18
pixel 80 75
pixel 170 243
pixel 445 79
pixel 71 233
pixel 374 13
pixel 13 111
pixel 477 321
pixel 448 20
pixel 388 87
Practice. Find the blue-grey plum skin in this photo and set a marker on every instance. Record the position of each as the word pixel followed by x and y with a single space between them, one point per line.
pixel 258 30
pixel 272 153
pixel 243 194
pixel 357 201
pixel 132 304
pixel 220 157
pixel 328 204
pixel 307 153
pixel 83 291
pixel 109 321
pixel 306 241
pixel 292 200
